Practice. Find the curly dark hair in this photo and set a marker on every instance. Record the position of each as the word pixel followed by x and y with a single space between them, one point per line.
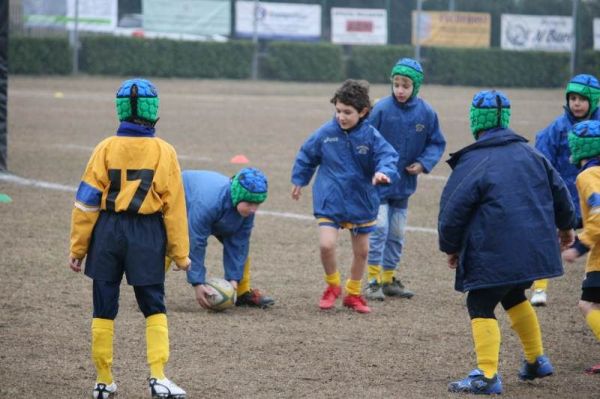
pixel 354 93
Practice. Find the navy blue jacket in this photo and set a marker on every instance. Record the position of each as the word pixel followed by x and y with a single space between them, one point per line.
pixel 499 211
pixel 414 132
pixel 346 162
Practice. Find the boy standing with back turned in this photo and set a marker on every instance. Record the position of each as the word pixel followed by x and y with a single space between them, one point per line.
pixel 411 126
pixel 129 213
pixel 499 213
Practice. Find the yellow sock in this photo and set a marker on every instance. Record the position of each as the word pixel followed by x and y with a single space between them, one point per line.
pixel 157 344
pixel 387 276
pixel 244 284
pixel 103 331
pixel 540 284
pixel 374 273
pixel 333 279
pixel 353 287
pixel 593 320
pixel 486 337
pixel 525 323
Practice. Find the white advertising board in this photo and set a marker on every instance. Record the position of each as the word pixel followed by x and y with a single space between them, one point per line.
pixel 358 26
pixel 536 32
pixel 278 20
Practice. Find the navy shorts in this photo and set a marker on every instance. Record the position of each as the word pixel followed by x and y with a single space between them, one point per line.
pixel 128 243
pixel 482 302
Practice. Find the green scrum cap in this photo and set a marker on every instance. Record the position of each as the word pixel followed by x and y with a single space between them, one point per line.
pixel 584 141
pixel 412 70
pixel 489 109
pixel 586 86
pixel 249 185
pixel 137 101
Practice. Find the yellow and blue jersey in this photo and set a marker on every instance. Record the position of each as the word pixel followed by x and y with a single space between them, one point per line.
pixel 588 185
pixel 137 173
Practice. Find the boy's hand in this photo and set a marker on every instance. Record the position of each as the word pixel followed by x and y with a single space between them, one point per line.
pixel 184 266
pixel 75 264
pixel 566 238
pixel 452 261
pixel 202 293
pixel 414 168
pixel 380 178
pixel 296 191
pixel 570 255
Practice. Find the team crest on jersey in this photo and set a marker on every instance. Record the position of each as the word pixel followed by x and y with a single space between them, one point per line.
pixel 362 149
pixel 419 127
pixel 330 140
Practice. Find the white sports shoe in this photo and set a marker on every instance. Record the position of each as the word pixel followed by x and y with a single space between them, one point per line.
pixel 165 389
pixel 538 298
pixel 103 391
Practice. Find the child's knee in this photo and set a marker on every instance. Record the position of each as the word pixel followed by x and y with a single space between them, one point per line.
pixel 327 247
pixel 585 307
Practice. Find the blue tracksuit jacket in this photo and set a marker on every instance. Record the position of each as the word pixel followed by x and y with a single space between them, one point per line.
pixel 346 162
pixel 210 211
pixel 500 209
pixel 553 143
pixel 414 132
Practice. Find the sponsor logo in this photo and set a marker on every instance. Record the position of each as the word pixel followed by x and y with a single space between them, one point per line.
pixel 419 127
pixel 330 140
pixel 362 149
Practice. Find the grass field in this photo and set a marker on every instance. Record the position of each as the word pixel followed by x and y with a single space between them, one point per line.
pixel 404 349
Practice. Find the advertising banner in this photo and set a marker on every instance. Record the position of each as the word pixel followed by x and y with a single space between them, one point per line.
pixel 536 32
pixel 192 17
pixel 93 15
pixel 358 26
pixel 452 29
pixel 45 14
pixel 596 33
pixel 278 20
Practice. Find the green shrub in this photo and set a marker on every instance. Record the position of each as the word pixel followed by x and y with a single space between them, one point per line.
pixel 466 67
pixel 39 56
pixel 591 63
pixel 494 67
pixel 374 63
pixel 161 57
pixel 304 62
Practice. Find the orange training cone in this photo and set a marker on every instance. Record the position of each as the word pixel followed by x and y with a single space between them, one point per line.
pixel 240 158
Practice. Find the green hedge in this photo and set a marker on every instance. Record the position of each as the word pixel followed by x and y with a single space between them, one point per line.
pixel 303 62
pixel 374 63
pixel 49 56
pixel 293 61
pixel 591 63
pixel 465 67
pixel 106 55
pixel 495 67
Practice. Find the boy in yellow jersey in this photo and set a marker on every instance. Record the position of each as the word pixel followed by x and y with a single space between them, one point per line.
pixel 499 213
pixel 584 142
pixel 129 214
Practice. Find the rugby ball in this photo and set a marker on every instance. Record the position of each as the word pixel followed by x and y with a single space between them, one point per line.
pixel 223 296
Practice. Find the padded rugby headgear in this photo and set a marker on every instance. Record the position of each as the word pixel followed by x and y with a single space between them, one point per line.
pixel 412 70
pixel 489 109
pixel 137 100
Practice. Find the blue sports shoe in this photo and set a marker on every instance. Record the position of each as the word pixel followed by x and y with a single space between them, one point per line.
pixel 539 369
pixel 477 384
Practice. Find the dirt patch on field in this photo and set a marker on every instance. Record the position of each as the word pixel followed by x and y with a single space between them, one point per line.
pixel 404 349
